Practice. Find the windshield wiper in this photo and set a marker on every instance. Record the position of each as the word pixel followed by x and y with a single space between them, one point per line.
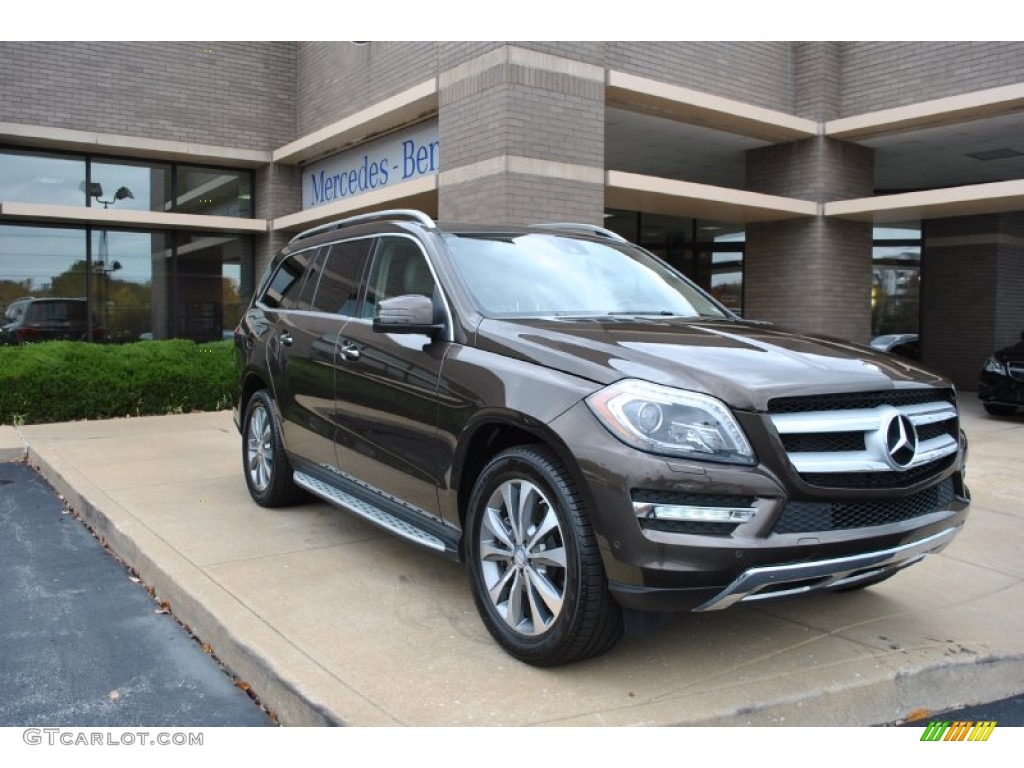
pixel 654 312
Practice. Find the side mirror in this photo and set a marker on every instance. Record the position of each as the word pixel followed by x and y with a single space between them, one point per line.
pixel 409 314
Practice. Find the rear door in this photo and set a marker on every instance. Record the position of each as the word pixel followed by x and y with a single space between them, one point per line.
pixel 305 346
pixel 387 404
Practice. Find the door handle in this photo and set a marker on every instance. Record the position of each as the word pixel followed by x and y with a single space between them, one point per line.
pixel 287 339
pixel 349 351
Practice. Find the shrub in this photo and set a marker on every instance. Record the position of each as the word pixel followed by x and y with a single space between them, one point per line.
pixel 69 380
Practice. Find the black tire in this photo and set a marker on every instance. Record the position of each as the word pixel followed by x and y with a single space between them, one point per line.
pixel 267 469
pixel 512 567
pixel 1000 410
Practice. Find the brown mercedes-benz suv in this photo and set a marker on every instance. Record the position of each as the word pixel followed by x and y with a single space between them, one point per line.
pixel 596 437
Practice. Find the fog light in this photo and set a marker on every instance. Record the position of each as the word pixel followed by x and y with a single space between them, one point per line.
pixel 694 514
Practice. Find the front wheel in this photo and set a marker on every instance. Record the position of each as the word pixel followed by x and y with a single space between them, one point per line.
pixel 535 569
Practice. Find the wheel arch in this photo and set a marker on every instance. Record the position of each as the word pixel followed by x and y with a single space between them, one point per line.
pixel 494 432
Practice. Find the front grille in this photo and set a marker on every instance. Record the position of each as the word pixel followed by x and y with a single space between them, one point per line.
pixel 810 516
pixel 863 439
pixel 825 441
pixel 687 526
pixel 850 400
pixel 878 479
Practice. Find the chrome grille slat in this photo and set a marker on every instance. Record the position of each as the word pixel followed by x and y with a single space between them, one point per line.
pixel 822 423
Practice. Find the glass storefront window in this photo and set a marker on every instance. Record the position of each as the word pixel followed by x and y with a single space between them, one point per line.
pixel 132 185
pixel 130 283
pixel 43 262
pixel 148 185
pixel 896 279
pixel 208 284
pixel 214 191
pixel 38 178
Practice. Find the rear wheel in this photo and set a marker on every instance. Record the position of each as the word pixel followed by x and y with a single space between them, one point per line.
pixel 268 472
pixel 1000 410
pixel 535 569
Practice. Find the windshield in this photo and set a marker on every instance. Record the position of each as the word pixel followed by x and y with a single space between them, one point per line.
pixel 545 274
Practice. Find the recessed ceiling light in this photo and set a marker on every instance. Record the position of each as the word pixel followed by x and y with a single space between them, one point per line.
pixel 995 154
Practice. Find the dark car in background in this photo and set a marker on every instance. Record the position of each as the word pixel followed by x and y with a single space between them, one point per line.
pixel 1001 383
pixel 34 319
pixel 906 345
pixel 596 437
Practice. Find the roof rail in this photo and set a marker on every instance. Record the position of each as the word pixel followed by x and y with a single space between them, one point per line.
pixel 589 229
pixel 400 213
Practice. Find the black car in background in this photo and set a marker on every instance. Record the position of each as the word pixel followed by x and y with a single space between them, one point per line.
pixel 1001 384
pixel 32 319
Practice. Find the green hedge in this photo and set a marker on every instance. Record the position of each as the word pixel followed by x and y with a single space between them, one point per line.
pixel 69 380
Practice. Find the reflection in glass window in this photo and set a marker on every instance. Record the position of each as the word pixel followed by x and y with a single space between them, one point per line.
pixel 896 279
pixel 148 185
pixel 214 191
pixel 39 178
pixel 41 262
pixel 338 290
pixel 208 290
pixel 130 283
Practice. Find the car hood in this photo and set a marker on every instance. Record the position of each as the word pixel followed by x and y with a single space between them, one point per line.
pixel 741 362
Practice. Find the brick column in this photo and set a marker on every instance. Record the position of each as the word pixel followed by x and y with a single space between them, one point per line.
pixel 522 134
pixel 972 281
pixel 811 275
pixel 277 191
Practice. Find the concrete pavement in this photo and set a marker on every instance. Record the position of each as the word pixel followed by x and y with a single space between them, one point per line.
pixel 335 622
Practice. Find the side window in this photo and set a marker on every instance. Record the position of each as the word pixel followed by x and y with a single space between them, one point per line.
pixel 316 266
pixel 338 290
pixel 399 269
pixel 285 286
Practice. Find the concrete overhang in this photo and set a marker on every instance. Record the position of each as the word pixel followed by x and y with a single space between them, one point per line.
pixel 67 214
pixel 43 137
pixel 701 201
pixel 929 114
pixel 403 108
pixel 420 194
pixel 641 94
pixel 996 197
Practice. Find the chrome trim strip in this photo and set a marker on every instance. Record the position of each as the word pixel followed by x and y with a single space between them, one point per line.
pixel 859 419
pixel 867 461
pixel 837 572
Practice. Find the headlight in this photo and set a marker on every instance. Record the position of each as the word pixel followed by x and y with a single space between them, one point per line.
pixel 994 366
pixel 671 422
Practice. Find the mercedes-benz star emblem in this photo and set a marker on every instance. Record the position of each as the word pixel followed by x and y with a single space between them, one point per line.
pixel 900 441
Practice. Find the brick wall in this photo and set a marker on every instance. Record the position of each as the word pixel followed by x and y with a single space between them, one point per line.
pixel 817 79
pixel 880 75
pixel 756 72
pixel 972 280
pixel 235 94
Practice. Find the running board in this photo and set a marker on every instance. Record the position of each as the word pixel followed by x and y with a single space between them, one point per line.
pixel 369 512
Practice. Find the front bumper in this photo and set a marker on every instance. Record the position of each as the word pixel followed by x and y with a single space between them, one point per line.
pixel 669 568
pixel 1000 390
